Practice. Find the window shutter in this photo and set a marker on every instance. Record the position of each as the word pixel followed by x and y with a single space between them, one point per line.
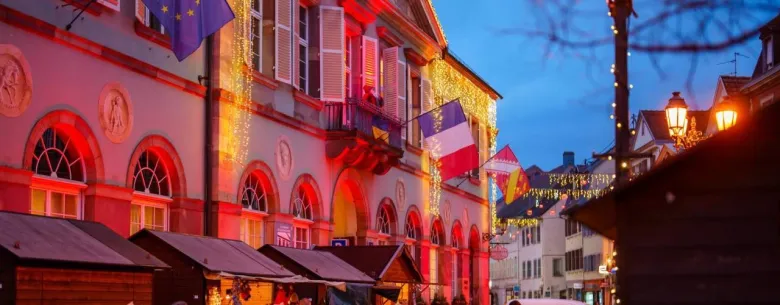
pixel 332 54
pixel 402 77
pixel 390 78
pixel 140 11
pixel 427 95
pixel 284 43
pixel 112 4
pixel 370 61
pixel 296 46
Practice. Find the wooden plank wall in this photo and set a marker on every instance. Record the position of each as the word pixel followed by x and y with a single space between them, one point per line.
pixel 48 286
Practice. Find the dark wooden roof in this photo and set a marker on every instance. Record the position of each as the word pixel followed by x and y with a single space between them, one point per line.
pixel 733 84
pixel 745 157
pixel 34 238
pixel 218 255
pixel 321 264
pixel 383 260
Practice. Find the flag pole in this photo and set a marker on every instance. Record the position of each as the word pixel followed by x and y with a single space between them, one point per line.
pixel 483 164
pixel 414 118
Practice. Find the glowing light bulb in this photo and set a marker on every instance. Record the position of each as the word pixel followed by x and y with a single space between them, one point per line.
pixel 611 116
pixel 615 31
pixel 610 158
pixel 619 125
pixel 624 164
pixel 616 84
pixel 631 86
pixel 614 105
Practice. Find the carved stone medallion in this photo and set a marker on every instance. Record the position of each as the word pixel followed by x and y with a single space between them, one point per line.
pixel 284 157
pixel 15 81
pixel 400 196
pixel 446 211
pixel 115 111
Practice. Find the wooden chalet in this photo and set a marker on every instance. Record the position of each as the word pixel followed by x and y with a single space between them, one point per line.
pixel 703 227
pixel 322 266
pixel 392 266
pixel 207 267
pixel 56 261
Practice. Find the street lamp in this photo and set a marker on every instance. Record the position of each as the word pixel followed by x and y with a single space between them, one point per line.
pixel 501 226
pixel 677 121
pixel 725 114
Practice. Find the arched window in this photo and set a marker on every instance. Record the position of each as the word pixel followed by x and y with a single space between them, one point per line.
pixel 411 229
pixel 254 201
pixel 59 176
pixel 152 193
pixel 383 221
pixel 304 216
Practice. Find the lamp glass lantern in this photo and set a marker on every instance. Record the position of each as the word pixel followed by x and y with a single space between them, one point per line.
pixel 725 114
pixel 677 115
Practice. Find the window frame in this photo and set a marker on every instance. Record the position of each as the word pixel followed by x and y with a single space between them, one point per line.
pixel 383 221
pixel 148 21
pixel 246 219
pixel 302 224
pixel 256 14
pixel 51 185
pixel 144 199
pixel 303 42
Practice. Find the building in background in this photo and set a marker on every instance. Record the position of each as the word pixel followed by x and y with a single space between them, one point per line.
pixel 102 123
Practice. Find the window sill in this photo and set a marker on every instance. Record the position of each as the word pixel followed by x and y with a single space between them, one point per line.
pixel 302 221
pixel 302 97
pixel 152 35
pixel 57 184
pixel 264 80
pixel 414 149
pixel 94 9
pixel 143 196
pixel 253 214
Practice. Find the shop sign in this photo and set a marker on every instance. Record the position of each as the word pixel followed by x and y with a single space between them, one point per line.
pixel 603 269
pixel 339 242
pixel 284 234
pixel 577 286
pixel 499 253
pixel 517 288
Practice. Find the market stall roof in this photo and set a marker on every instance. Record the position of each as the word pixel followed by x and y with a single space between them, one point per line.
pixel 32 238
pixel 388 263
pixel 217 254
pixel 739 158
pixel 321 264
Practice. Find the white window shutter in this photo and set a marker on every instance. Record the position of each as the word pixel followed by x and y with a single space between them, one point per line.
pixel 401 74
pixel 284 41
pixel 112 4
pixel 140 11
pixel 296 45
pixel 390 78
pixel 332 54
pixel 427 95
pixel 370 50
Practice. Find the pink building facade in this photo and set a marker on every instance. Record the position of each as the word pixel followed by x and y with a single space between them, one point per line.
pixel 101 122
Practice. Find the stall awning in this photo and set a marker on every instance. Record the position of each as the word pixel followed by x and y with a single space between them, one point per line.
pixel 316 264
pixel 388 292
pixel 355 294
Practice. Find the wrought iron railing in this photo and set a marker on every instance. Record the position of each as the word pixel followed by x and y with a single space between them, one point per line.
pixel 361 116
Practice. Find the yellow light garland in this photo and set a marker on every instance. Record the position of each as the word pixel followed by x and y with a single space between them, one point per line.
pixel 549 193
pixel 580 179
pixel 240 84
pixel 449 84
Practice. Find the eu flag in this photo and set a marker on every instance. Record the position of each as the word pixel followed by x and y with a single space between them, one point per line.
pixel 190 21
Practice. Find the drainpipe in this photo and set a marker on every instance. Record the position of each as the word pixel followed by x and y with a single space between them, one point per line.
pixel 208 138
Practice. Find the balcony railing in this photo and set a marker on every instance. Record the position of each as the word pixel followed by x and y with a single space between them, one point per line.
pixel 358 115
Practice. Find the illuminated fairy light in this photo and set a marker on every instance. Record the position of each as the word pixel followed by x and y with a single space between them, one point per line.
pixel 240 84
pixel 449 84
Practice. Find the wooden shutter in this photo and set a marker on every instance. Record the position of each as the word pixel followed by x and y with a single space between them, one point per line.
pixel 296 37
pixel 427 95
pixel 390 78
pixel 140 11
pixel 370 50
pixel 401 79
pixel 284 41
pixel 332 53
pixel 112 4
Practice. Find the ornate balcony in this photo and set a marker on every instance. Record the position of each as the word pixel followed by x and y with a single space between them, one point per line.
pixel 350 136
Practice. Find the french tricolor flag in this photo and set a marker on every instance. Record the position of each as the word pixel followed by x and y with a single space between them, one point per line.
pixel 450 139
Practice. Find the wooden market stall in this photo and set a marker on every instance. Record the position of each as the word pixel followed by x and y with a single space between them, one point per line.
pixel 54 261
pixel 392 266
pixel 322 266
pixel 702 227
pixel 208 268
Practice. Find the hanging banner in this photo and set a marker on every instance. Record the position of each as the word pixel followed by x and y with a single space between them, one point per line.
pixel 284 234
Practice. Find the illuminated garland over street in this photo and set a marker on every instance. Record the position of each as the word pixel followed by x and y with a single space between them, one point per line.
pixel 448 84
pixel 580 179
pixel 240 84
pixel 549 193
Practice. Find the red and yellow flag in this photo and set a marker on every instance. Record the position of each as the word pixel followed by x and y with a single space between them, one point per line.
pixel 510 176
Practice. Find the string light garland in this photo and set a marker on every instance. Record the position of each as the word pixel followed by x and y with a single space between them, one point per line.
pixel 449 84
pixel 580 179
pixel 557 194
pixel 240 84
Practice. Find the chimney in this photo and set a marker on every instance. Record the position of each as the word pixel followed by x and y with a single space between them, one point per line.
pixel 568 158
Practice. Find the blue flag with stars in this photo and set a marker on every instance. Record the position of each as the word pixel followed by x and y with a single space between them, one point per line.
pixel 190 21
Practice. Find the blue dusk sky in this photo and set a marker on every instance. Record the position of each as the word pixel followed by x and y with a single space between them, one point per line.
pixel 559 102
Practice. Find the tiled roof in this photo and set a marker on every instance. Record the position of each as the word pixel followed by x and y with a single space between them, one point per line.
pixel 46 239
pixel 734 83
pixel 321 263
pixel 219 255
pixel 381 258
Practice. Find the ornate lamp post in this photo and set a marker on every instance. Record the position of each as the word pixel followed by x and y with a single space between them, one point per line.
pixel 725 114
pixel 677 120
pixel 500 230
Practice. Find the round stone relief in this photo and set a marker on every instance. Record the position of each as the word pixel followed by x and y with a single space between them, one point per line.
pixel 15 81
pixel 116 112
pixel 284 157
pixel 400 195
pixel 446 211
